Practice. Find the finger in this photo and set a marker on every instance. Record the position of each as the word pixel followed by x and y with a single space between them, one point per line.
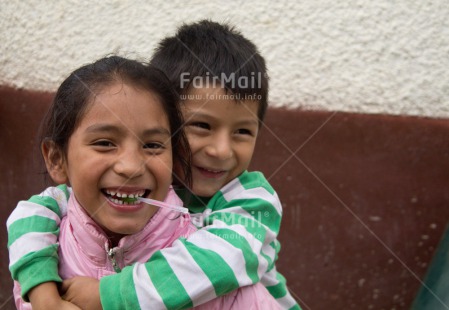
pixel 65 286
pixel 66 297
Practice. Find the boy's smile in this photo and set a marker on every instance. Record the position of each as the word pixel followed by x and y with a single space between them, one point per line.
pixel 222 135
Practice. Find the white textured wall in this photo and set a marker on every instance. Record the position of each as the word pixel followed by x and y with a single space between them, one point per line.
pixel 380 56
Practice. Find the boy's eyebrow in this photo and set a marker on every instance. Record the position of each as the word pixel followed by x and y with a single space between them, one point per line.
pixel 249 122
pixel 191 114
pixel 111 128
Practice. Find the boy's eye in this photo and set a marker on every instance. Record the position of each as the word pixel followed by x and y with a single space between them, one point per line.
pixel 201 125
pixel 243 131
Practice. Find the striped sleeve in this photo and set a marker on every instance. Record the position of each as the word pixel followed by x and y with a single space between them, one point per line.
pixel 33 229
pixel 235 248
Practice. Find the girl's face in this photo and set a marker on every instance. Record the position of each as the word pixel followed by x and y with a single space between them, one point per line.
pixel 121 149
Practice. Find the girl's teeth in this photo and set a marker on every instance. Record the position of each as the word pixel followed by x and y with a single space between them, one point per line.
pixel 124 195
pixel 121 202
pixel 119 198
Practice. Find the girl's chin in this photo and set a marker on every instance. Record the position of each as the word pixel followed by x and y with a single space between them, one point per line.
pixel 127 223
pixel 116 233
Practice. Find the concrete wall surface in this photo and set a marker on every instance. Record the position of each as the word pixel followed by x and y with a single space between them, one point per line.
pixel 353 55
pixel 364 197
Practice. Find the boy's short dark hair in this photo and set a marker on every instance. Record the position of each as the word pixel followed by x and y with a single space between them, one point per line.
pixel 215 53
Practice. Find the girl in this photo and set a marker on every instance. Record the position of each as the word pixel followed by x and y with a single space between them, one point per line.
pixel 113 133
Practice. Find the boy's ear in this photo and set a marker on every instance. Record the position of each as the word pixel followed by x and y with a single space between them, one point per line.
pixel 55 162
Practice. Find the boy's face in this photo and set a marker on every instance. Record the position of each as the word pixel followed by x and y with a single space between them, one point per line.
pixel 222 135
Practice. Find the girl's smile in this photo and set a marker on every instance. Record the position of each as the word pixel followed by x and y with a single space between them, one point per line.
pixel 120 150
pixel 125 197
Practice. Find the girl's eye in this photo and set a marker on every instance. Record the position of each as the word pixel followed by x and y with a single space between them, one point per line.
pixel 103 143
pixel 153 146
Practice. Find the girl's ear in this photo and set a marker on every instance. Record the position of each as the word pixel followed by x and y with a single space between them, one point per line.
pixel 55 162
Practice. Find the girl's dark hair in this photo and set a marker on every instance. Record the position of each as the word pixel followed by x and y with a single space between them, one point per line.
pixel 74 94
pixel 214 51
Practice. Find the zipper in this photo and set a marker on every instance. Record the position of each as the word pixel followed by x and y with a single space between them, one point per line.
pixel 112 257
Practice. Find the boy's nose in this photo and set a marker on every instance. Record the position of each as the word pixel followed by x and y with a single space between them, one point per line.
pixel 220 147
pixel 130 164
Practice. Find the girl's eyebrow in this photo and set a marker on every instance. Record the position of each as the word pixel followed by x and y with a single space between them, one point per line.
pixel 102 128
pixel 97 128
pixel 157 131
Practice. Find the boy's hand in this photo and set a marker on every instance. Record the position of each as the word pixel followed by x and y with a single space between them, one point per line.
pixel 83 292
pixel 46 297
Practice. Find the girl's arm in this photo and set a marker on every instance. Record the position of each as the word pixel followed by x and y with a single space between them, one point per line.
pixel 236 247
pixel 45 296
pixel 33 229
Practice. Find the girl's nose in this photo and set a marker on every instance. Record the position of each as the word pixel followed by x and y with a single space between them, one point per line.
pixel 130 164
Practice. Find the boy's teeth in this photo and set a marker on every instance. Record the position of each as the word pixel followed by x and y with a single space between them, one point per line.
pixel 213 171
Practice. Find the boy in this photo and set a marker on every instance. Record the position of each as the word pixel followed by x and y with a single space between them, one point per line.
pixel 222 82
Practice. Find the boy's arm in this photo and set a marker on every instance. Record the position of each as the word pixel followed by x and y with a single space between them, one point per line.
pixel 234 249
pixel 33 229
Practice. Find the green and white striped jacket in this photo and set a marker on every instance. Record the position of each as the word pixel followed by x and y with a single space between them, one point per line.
pixel 236 245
